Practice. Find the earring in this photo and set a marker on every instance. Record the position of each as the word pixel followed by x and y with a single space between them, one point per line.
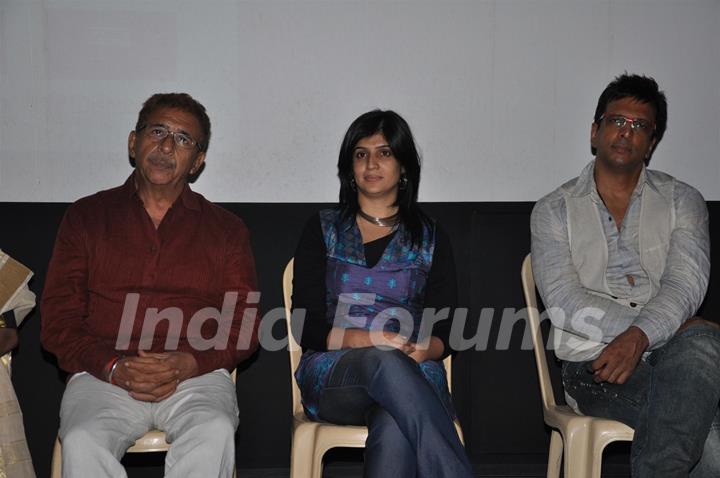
pixel 403 182
pixel 353 185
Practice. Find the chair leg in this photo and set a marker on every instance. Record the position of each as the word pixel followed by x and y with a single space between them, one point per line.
pixel 56 467
pixel 301 464
pixel 555 455
pixel 317 462
pixel 578 462
pixel 459 431
pixel 302 451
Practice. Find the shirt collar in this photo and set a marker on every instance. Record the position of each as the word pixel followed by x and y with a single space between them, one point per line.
pixel 585 184
pixel 187 198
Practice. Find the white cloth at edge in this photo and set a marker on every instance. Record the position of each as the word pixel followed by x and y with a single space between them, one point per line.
pixel 15 460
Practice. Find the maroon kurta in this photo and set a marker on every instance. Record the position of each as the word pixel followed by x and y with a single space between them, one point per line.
pixel 107 247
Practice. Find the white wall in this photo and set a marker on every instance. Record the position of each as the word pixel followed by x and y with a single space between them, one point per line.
pixel 500 94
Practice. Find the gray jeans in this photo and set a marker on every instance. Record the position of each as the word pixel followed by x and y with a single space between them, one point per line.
pixel 671 400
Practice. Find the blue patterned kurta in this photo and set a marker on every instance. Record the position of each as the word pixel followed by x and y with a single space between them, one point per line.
pixel 388 296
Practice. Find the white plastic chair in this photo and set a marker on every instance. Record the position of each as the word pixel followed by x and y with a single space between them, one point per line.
pixel 150 442
pixel 311 439
pixel 6 361
pixel 583 438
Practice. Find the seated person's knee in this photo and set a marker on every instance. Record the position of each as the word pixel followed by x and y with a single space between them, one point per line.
pixel 698 321
pixel 217 428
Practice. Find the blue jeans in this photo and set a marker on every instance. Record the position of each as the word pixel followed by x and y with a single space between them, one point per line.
pixel 411 433
pixel 671 400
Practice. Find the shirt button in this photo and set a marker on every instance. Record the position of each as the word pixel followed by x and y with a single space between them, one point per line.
pixel 633 304
pixel 153 249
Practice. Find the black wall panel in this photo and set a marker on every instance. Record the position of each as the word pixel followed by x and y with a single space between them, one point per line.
pixel 496 391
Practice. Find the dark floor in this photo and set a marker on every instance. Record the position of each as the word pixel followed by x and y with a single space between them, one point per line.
pixel 347 463
pixel 354 470
pixel 488 471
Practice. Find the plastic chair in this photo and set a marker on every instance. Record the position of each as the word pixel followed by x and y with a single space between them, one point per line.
pixel 152 441
pixel 583 438
pixel 310 439
pixel 6 361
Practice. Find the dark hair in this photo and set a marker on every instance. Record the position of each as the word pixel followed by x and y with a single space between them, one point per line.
pixel 641 88
pixel 400 139
pixel 180 101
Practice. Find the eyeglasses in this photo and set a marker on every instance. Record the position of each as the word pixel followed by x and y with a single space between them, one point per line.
pixel 636 124
pixel 157 133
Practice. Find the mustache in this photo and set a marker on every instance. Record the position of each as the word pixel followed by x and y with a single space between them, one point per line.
pixel 623 143
pixel 167 163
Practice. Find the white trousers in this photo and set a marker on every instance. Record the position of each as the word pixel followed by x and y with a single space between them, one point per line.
pixel 100 421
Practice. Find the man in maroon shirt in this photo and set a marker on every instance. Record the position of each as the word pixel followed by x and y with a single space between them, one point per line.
pixel 144 305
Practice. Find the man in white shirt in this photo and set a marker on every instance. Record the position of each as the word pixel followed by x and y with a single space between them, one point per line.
pixel 621 256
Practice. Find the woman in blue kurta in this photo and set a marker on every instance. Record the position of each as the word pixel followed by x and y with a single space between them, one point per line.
pixel 365 272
